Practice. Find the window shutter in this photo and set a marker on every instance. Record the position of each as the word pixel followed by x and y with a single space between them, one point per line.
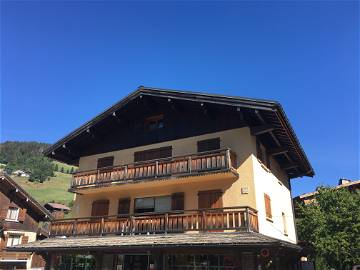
pixel 124 206
pixel 177 201
pixel 208 145
pixel 22 214
pixel 3 241
pixel 24 239
pixel 100 208
pixel 210 199
pixel 3 212
pixel 105 162
pixel 151 154
pixel 267 206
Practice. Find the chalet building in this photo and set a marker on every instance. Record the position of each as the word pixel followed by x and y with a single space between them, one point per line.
pixel 179 180
pixel 57 210
pixel 20 215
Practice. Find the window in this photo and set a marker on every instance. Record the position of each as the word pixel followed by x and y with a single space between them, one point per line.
pixel 105 162
pixel 13 240
pixel 208 145
pixel 12 213
pixel 154 122
pixel 267 206
pixel 284 222
pixel 157 153
pixel 153 204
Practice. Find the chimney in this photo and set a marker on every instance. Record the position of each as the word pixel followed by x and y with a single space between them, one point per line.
pixel 343 181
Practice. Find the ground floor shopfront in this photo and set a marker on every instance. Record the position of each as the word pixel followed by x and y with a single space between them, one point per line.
pixel 177 259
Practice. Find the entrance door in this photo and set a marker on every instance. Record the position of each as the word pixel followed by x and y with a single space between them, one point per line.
pixel 136 262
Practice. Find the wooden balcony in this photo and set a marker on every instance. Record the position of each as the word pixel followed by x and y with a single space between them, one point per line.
pixel 221 219
pixel 191 165
pixel 4 256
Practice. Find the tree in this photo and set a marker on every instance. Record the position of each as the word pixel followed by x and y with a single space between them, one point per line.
pixel 72 170
pixel 62 169
pixel 56 167
pixel 67 171
pixel 331 224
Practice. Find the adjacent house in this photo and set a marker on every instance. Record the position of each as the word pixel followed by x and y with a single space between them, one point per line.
pixel 57 210
pixel 20 215
pixel 179 180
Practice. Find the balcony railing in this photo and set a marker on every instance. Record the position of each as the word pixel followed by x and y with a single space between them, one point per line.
pixel 220 219
pixel 212 161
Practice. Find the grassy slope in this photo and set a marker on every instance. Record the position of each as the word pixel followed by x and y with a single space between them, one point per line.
pixel 53 190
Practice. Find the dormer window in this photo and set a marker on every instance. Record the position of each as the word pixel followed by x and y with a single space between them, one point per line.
pixel 154 122
pixel 12 214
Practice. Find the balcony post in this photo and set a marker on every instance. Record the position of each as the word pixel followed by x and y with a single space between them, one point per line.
pixel 166 223
pixel 156 168
pixel 203 220
pixel 189 165
pixel 97 176
pixel 102 226
pixel 125 172
pixel 227 159
pixel 132 227
pixel 247 219
pixel 74 227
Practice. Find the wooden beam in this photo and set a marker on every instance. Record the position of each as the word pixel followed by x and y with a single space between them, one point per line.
pixel 290 166
pixel 278 151
pixel 258 130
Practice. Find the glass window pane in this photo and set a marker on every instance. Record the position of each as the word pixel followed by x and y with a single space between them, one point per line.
pixel 163 204
pixel 144 203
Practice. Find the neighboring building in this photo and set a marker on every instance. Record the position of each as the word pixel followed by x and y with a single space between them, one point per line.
pixel 20 215
pixel 21 173
pixel 351 185
pixel 57 210
pixel 179 180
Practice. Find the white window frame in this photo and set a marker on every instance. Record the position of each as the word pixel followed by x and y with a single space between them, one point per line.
pixel 11 238
pixel 8 215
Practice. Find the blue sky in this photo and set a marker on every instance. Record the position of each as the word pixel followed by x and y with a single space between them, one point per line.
pixel 64 62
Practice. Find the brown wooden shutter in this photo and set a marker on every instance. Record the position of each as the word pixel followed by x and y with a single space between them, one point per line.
pixel 3 242
pixel 162 152
pixel 124 206
pixel 24 239
pixel 177 201
pixel 22 214
pixel 3 212
pixel 100 208
pixel 210 199
pixel 105 162
pixel 208 145
pixel 267 206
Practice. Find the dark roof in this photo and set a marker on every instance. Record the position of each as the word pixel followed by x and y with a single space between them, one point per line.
pixel 240 239
pixel 57 206
pixel 16 193
pixel 266 112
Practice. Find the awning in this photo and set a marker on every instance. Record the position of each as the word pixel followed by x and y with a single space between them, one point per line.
pixel 184 240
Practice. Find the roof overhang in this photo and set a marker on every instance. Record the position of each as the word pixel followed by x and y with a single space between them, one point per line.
pixel 266 118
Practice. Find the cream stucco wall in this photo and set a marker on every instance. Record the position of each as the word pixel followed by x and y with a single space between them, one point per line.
pixel 252 177
pixel 32 238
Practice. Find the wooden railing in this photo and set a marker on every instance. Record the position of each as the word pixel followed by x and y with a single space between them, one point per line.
pixel 221 219
pixel 14 255
pixel 211 161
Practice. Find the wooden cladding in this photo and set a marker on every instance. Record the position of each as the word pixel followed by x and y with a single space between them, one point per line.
pixel 208 145
pixel 124 206
pixel 230 218
pixel 100 208
pixel 267 206
pixel 22 214
pixel 105 162
pixel 201 163
pixel 210 199
pixel 154 122
pixel 177 201
pixel 151 154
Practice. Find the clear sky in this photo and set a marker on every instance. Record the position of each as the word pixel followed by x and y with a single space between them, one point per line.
pixel 64 62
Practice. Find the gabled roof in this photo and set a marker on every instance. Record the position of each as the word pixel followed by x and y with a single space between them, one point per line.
pixel 258 113
pixel 17 194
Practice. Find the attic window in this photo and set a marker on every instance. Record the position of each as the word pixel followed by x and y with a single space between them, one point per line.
pixel 105 162
pixel 154 122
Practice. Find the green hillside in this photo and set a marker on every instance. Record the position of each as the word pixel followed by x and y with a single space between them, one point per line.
pixel 55 189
